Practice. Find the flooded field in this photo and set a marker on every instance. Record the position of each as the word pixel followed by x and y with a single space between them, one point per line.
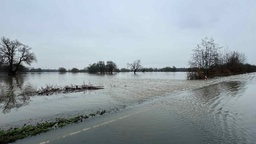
pixel 120 90
pixel 221 110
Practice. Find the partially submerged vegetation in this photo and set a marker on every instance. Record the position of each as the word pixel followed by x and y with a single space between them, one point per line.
pixel 49 90
pixel 103 68
pixel 13 134
pixel 135 66
pixel 208 61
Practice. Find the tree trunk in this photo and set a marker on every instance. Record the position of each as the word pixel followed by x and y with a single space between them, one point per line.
pixel 12 73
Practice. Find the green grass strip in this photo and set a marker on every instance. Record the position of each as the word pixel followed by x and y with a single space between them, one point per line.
pixel 13 134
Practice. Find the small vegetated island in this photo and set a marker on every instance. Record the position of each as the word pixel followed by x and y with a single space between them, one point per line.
pixel 208 60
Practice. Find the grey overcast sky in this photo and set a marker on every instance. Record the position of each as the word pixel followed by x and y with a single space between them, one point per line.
pixel 76 33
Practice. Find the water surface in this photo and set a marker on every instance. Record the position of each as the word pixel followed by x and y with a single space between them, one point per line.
pixel 219 110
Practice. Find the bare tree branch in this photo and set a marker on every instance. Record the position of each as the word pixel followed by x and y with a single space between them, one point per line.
pixel 135 66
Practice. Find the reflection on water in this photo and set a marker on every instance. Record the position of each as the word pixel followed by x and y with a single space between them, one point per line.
pixel 223 112
pixel 120 90
pixel 210 93
pixel 13 93
pixel 222 121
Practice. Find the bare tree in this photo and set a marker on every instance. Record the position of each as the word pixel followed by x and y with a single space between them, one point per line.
pixel 14 53
pixel 135 66
pixel 205 56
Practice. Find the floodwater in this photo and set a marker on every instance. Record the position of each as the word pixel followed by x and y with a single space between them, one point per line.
pixel 220 110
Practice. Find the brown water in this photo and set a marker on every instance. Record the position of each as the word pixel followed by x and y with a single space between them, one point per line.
pixel 221 110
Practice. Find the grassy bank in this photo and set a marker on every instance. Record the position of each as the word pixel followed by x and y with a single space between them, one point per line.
pixel 13 134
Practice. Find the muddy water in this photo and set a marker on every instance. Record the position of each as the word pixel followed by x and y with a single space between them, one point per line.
pixel 222 112
pixel 120 90
pixel 223 108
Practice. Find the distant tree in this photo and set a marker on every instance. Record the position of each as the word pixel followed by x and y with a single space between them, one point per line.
pixel 234 62
pixel 174 69
pixel 206 55
pixel 83 70
pixel 62 70
pixel 13 53
pixel 93 68
pixel 110 67
pixel 135 66
pixel 124 70
pixel 36 70
pixel 101 67
pixel 74 70
pixel 168 69
pixel 147 69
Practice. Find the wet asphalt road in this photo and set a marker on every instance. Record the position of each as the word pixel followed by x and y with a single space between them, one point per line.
pixel 144 124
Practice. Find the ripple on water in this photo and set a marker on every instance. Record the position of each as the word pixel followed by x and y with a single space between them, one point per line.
pixel 220 109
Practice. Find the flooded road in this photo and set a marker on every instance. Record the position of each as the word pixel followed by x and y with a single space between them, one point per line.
pixel 150 108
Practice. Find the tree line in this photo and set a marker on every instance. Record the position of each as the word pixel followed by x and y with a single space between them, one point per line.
pixel 110 67
pixel 208 60
pixel 14 55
